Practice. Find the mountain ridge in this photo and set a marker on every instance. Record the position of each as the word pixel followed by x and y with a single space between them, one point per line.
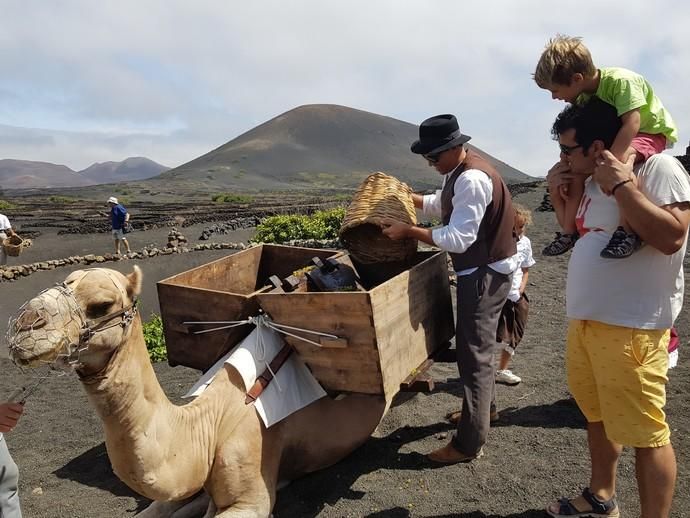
pixel 318 146
pixel 310 147
pixel 33 174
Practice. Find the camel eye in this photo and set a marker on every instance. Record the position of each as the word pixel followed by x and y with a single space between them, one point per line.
pixel 98 309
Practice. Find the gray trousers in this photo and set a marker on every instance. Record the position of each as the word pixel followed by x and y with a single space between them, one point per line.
pixel 481 296
pixel 9 477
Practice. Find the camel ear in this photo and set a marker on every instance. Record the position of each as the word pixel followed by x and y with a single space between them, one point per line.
pixel 134 286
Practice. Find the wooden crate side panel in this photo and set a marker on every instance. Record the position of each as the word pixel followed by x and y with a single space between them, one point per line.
pixel 235 273
pixel 179 304
pixel 345 380
pixel 413 317
pixel 347 315
pixel 354 368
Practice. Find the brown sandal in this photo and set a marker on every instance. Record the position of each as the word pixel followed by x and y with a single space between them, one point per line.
pixel 598 508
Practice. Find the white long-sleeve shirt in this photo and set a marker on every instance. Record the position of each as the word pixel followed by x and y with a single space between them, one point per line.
pixel 4 223
pixel 471 196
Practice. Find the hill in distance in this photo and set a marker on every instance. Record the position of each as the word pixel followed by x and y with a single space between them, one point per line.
pixel 27 174
pixel 319 146
pixel 130 169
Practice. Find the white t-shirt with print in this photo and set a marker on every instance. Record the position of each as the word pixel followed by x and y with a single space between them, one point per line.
pixel 523 258
pixel 643 291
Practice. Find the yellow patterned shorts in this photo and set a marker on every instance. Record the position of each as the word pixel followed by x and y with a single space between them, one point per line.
pixel 618 376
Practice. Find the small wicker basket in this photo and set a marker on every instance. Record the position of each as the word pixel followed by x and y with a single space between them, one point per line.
pixel 12 245
pixel 380 196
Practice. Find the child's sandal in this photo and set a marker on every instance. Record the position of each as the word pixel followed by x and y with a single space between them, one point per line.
pixel 561 244
pixel 622 244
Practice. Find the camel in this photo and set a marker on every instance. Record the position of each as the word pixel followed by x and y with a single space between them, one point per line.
pixel 215 445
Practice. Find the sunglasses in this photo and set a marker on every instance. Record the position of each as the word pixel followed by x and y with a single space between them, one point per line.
pixel 566 150
pixel 433 157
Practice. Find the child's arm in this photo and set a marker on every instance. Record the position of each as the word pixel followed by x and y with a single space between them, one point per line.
pixel 558 176
pixel 629 128
pixel 525 276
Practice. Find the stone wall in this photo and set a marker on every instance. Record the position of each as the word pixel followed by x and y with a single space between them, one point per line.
pixel 13 272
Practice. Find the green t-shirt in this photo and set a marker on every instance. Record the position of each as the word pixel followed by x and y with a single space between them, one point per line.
pixel 626 90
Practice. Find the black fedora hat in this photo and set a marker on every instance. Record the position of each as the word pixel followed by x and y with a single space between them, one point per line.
pixel 437 134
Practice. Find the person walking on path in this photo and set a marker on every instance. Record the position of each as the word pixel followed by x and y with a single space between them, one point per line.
pixel 620 312
pixel 5 232
pixel 9 473
pixel 478 217
pixel 119 218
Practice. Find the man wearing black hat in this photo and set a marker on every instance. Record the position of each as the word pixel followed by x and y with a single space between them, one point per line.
pixel 477 214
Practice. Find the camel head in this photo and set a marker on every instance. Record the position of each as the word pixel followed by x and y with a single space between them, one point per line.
pixel 77 324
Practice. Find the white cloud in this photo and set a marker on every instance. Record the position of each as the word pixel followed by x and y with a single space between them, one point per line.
pixel 173 79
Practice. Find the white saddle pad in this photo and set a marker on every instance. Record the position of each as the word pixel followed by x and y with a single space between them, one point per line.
pixel 293 387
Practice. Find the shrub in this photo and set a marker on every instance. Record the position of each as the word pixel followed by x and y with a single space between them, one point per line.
pixel 320 225
pixel 61 200
pixel 6 205
pixel 155 341
pixel 228 197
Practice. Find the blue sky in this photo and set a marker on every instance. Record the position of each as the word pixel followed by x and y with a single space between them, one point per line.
pixel 82 82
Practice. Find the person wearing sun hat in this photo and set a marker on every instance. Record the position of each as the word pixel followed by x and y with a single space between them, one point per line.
pixel 478 219
pixel 5 232
pixel 118 218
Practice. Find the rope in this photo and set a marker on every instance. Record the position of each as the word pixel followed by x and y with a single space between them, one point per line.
pixel 261 322
pixel 258 320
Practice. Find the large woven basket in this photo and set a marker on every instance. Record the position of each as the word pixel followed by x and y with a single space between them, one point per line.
pixel 12 245
pixel 379 197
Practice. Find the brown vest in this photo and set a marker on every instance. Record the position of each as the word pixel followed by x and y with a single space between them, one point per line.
pixel 496 238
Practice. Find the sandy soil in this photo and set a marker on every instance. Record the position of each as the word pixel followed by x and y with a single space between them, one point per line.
pixel 536 453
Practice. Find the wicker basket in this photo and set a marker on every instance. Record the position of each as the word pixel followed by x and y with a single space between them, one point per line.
pixel 380 196
pixel 12 245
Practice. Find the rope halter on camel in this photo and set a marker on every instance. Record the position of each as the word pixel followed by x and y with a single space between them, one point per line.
pixel 55 319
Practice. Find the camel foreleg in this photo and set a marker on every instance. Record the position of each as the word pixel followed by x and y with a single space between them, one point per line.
pixel 233 512
pixel 191 507
pixel 237 511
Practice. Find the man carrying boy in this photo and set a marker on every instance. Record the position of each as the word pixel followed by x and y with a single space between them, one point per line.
pixel 620 313
pixel 567 70
pixel 477 214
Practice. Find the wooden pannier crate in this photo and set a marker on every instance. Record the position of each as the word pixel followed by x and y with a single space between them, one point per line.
pixel 387 331
pixel 222 290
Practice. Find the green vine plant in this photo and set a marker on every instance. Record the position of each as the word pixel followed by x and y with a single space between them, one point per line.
pixel 154 339
pixel 322 224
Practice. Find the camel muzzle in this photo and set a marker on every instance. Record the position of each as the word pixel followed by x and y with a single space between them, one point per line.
pixel 53 329
pixel 45 328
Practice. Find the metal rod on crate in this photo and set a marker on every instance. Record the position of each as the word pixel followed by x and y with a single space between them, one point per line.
pixel 262 320
pixel 231 324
